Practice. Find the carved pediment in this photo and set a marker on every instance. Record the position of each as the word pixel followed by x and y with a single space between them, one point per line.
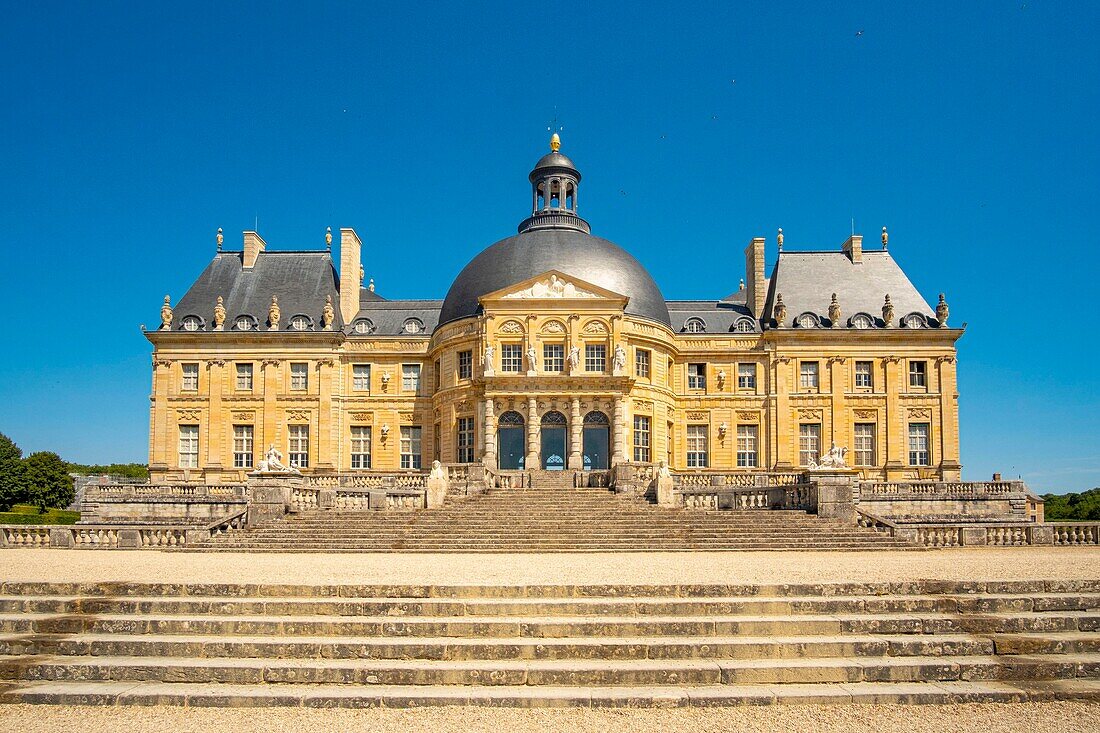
pixel 553 285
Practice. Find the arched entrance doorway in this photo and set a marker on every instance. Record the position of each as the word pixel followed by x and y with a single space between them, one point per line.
pixel 597 439
pixel 511 442
pixel 554 441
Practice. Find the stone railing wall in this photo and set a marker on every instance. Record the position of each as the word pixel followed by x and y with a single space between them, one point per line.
pixel 993 534
pixel 160 504
pixel 116 536
pixel 793 496
pixel 945 501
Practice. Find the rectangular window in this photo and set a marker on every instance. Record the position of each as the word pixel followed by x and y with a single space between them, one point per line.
pixel 299 375
pixel 190 381
pixel 808 375
pixel 865 444
pixel 189 446
pixel 864 375
pixel 809 443
pixel 511 357
pixel 465 364
pixel 553 358
pixel 746 446
pixel 465 440
pixel 410 446
pixel 244 377
pixel 360 377
pixel 242 446
pixel 641 363
pixel 641 439
pixel 919 454
pixel 360 446
pixel 697 376
pixel 595 358
pixel 438 375
pixel 298 455
pixel 410 377
pixel 918 374
pixel 697 446
pixel 746 376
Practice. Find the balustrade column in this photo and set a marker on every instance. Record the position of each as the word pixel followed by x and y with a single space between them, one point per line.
pixel 617 427
pixel 490 436
pixel 575 439
pixel 532 460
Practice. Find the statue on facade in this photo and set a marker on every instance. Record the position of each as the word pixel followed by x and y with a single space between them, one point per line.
pixel 574 358
pixel 888 313
pixel 219 314
pixel 328 314
pixel 437 486
pixel 274 314
pixel 942 311
pixel 437 471
pixel 619 360
pixel 166 314
pixel 834 312
pixel 557 287
pixel 273 462
pixel 488 359
pixel 665 485
pixel 780 310
pixel 532 359
pixel 834 458
pixel 885 239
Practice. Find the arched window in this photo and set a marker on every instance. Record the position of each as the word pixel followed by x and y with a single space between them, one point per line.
pixel 914 320
pixel 553 418
pixel 807 320
pixel 695 325
pixel 862 321
pixel 191 323
pixel 363 326
pixel 245 323
pixel 510 419
pixel 413 325
pixel 744 325
pixel 301 323
pixel 596 418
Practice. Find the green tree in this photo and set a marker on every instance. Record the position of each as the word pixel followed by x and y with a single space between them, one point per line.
pixel 12 483
pixel 48 481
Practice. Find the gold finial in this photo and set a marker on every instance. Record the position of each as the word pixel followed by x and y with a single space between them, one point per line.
pixel 779 239
pixel 371 286
pixel 220 238
pixel 328 237
pixel 885 238
pixel 555 142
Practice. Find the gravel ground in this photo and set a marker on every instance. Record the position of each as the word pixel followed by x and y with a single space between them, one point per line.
pixel 988 718
pixel 1022 563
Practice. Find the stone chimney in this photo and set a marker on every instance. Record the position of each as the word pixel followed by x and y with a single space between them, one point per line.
pixel 351 273
pixel 253 246
pixel 854 248
pixel 754 277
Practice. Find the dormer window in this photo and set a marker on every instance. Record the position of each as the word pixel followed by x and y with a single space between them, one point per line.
pixel 363 326
pixel 807 320
pixel 913 320
pixel 245 323
pixel 191 323
pixel 862 321
pixel 413 325
pixel 744 325
pixel 695 325
pixel 301 323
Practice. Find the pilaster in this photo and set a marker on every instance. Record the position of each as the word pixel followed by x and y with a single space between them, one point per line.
pixel 576 461
pixel 532 460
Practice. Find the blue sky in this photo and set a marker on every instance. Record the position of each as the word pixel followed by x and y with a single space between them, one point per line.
pixel 131 132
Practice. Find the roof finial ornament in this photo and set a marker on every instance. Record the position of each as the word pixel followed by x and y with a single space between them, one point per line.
pixel 328 314
pixel 885 239
pixel 834 312
pixel 555 142
pixel 219 314
pixel 742 287
pixel 219 239
pixel 166 314
pixel 780 310
pixel 328 238
pixel 942 312
pixel 779 239
pixel 273 314
pixel 371 286
pixel 888 313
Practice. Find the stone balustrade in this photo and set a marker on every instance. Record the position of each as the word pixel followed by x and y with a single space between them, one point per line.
pixel 797 496
pixel 947 489
pixel 167 491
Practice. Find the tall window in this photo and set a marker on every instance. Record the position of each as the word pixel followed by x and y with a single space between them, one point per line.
pixel 244 377
pixel 809 443
pixel 360 446
pixel 746 446
pixel 465 364
pixel 553 357
pixel 410 446
pixel 864 375
pixel 746 376
pixel 437 375
pixel 865 444
pixel 360 377
pixel 298 455
pixel 189 446
pixel 595 358
pixel 918 374
pixel 697 446
pixel 697 376
pixel 299 375
pixel 919 454
pixel 511 357
pixel 641 363
pixel 465 440
pixel 410 377
pixel 242 446
pixel 641 438
pixel 808 375
pixel 190 381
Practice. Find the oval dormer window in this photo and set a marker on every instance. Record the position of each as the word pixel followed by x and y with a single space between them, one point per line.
pixel 363 325
pixel 744 325
pixel 300 323
pixel 191 323
pixel 862 320
pixel 695 325
pixel 245 323
pixel 913 320
pixel 807 320
pixel 413 325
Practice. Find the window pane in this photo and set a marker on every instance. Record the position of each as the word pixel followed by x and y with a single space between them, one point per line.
pixel 360 377
pixel 808 375
pixel 189 446
pixel 298 455
pixel 410 377
pixel 641 438
pixel 511 357
pixel 410 446
pixel 865 444
pixel 465 364
pixel 809 443
pixel 746 376
pixel 595 358
pixel 918 376
pixel 465 442
pixel 863 375
pixel 299 375
pixel 919 454
pixel 190 377
pixel 242 446
pixel 697 446
pixel 746 446
pixel 360 446
pixel 641 363
pixel 697 376
pixel 244 377
pixel 553 357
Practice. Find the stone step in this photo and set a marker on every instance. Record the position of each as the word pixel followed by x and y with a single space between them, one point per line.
pixel 526 696
pixel 598 672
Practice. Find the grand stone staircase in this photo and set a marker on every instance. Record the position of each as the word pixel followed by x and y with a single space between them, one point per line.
pixel 550 516
pixel 406 646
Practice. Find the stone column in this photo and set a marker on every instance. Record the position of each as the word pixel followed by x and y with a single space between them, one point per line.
pixel 326 447
pixel 617 427
pixel 781 428
pixel 215 425
pixel 531 463
pixel 490 436
pixel 576 461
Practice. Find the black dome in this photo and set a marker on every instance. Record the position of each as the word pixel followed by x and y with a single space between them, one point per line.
pixel 569 251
